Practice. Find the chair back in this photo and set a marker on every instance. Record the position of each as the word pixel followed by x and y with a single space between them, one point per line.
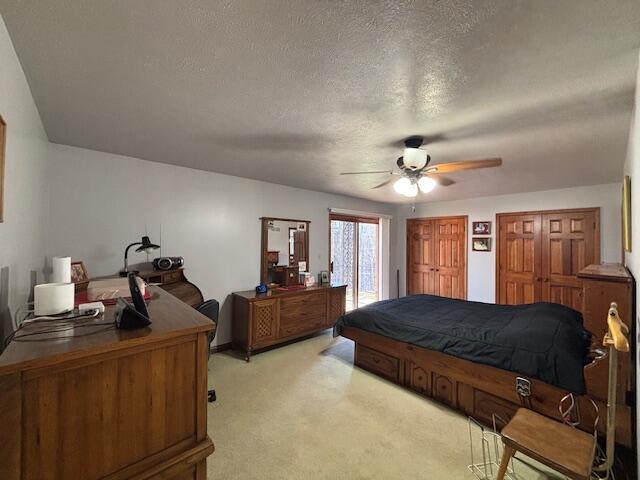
pixel 211 309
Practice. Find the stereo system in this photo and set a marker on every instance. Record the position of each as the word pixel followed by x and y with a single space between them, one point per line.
pixel 168 263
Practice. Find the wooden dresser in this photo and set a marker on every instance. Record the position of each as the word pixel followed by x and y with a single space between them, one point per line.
pixel 109 404
pixel 605 283
pixel 263 320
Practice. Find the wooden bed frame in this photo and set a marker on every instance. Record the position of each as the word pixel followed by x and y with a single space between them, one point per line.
pixel 474 389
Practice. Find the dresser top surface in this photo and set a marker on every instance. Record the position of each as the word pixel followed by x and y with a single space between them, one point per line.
pixel 283 292
pixel 170 318
pixel 613 272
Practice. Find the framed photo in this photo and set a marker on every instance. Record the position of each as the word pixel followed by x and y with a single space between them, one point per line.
pixel 324 277
pixel 626 213
pixel 480 244
pixel 79 273
pixel 3 136
pixel 481 228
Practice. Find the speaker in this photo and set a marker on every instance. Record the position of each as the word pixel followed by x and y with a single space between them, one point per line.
pixel 168 263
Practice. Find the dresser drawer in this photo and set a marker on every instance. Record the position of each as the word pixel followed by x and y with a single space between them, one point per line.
pixel 300 326
pixel 171 277
pixel 302 313
pixel 377 362
pixel 304 302
pixel 304 307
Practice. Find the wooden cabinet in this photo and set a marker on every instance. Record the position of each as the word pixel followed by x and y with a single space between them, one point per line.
pixel 603 284
pixel 263 320
pixel 540 254
pixel 437 257
pixel 109 403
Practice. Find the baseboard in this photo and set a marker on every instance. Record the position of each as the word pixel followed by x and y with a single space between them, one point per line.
pixel 220 348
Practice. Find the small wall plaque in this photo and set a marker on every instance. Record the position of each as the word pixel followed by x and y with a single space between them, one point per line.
pixel 480 244
pixel 481 228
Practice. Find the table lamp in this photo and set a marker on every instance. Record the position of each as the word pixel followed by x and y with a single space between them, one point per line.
pixel 144 246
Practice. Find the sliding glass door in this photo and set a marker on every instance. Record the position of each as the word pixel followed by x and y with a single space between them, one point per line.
pixel 354 258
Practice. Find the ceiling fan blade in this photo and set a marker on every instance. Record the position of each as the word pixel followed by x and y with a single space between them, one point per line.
pixel 464 165
pixel 387 182
pixel 441 180
pixel 366 173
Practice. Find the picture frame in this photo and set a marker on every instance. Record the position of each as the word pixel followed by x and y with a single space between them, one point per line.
pixel 626 213
pixel 79 274
pixel 481 244
pixel 323 277
pixel 3 141
pixel 481 228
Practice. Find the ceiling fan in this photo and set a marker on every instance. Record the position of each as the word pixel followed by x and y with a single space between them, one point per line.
pixel 416 173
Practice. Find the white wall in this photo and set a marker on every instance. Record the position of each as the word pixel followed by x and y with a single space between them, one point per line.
pixel 23 232
pixel 481 265
pixel 102 202
pixel 632 259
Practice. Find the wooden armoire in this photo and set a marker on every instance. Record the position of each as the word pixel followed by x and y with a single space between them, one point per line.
pixel 437 256
pixel 539 255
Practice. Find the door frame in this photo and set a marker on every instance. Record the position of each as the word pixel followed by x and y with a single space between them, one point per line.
pixel 596 242
pixel 466 249
pixel 358 219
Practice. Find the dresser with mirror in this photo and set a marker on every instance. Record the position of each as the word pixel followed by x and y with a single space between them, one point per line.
pixel 288 309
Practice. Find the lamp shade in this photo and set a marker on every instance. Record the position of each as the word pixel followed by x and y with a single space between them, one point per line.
pixel 414 158
pixel 412 191
pixel 426 184
pixel 402 185
pixel 406 187
pixel 147 246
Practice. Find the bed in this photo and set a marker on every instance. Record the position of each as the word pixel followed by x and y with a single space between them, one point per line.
pixel 475 357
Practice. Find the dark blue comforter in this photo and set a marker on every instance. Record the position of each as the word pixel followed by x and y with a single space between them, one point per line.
pixel 541 340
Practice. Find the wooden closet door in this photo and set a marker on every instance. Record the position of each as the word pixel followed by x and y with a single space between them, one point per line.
pixel 420 257
pixel 450 261
pixel 520 252
pixel 570 243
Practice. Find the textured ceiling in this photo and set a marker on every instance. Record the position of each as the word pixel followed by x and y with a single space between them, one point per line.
pixel 294 92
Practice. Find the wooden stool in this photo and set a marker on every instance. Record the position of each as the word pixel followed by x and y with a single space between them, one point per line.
pixel 565 449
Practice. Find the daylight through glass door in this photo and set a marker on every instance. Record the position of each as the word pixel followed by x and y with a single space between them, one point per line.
pixel 354 258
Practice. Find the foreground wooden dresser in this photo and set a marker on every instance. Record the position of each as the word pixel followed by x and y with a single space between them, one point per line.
pixel 266 319
pixel 605 283
pixel 109 405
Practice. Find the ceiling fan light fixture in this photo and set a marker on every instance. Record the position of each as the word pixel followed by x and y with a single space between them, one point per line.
pixel 426 184
pixel 414 158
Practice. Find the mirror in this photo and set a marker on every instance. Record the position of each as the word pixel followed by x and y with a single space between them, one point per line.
pixel 285 251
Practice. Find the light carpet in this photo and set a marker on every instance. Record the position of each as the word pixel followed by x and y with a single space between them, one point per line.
pixel 303 411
